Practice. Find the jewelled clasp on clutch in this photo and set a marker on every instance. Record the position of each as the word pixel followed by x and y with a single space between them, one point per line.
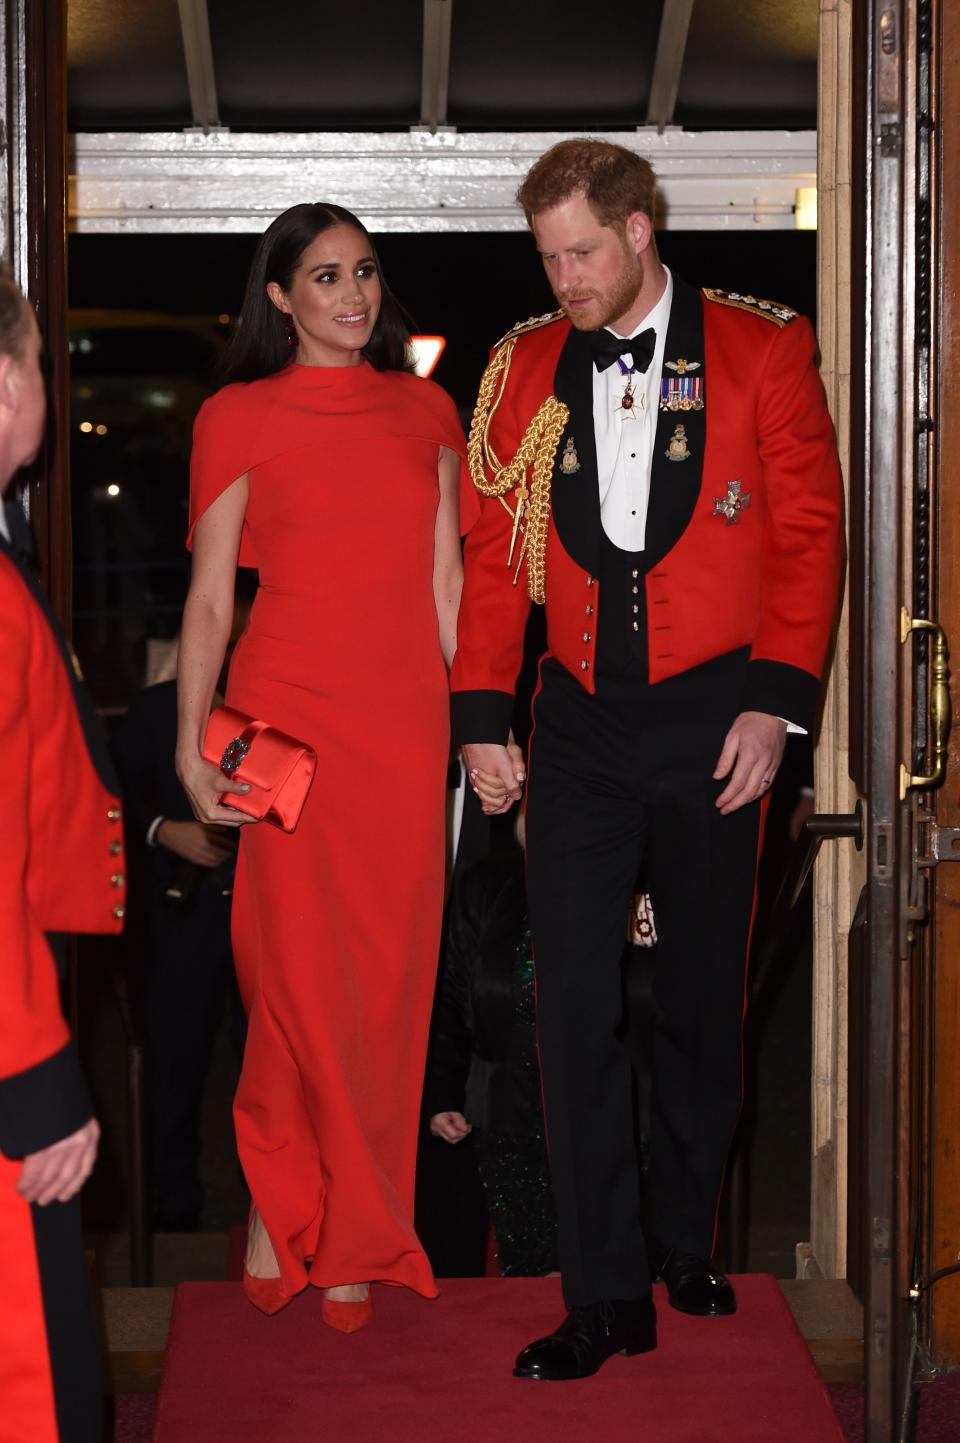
pixel 233 754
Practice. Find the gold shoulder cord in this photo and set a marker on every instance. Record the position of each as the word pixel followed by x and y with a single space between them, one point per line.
pixel 536 450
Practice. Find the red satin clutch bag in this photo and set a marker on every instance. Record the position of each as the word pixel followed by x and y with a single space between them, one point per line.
pixel 277 767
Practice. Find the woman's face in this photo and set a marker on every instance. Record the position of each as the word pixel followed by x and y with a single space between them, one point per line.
pixel 334 297
pixel 23 406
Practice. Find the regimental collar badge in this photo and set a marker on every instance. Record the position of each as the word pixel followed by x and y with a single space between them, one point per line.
pixel 730 506
pixel 570 461
pixel 678 450
pixel 681 365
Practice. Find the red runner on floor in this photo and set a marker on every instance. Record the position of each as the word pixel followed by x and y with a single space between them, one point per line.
pixel 439 1372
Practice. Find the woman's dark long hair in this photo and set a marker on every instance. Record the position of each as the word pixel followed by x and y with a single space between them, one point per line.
pixel 260 346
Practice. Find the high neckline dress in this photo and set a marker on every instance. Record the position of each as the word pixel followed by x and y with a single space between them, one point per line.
pixel 336 925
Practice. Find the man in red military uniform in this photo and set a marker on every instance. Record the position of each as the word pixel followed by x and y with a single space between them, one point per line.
pixel 659 468
pixel 61 870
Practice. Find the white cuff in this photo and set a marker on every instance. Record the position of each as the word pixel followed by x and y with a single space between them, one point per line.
pixel 152 831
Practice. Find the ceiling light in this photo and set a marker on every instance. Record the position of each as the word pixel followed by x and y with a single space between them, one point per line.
pixel 805 208
pixel 427 351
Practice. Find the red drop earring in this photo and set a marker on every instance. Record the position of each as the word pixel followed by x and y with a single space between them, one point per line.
pixel 292 338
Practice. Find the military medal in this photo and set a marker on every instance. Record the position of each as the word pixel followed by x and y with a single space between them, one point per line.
pixel 570 461
pixel 678 450
pixel 730 506
pixel 682 392
pixel 628 400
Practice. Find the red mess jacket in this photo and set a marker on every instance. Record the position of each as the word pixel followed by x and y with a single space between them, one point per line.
pixel 61 860
pixel 744 537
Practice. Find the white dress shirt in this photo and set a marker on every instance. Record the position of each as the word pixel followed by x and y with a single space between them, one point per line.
pixel 625 439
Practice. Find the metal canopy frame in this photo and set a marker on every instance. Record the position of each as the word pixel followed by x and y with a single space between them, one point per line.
pixel 671 48
pixel 198 57
pixel 435 74
pixel 443 181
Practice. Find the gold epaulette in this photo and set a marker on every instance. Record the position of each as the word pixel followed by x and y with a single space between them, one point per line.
pixel 533 323
pixel 770 310
pixel 535 454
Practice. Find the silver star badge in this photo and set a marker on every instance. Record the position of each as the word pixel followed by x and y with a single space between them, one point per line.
pixel 730 506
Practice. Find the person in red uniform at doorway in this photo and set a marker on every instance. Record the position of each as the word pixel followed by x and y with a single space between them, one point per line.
pixel 658 466
pixel 339 474
pixel 61 871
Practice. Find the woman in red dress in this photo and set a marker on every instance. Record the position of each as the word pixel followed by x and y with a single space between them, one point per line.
pixel 339 474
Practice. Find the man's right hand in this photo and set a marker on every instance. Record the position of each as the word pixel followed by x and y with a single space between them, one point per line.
pixel 496 774
pixel 195 842
pixel 58 1172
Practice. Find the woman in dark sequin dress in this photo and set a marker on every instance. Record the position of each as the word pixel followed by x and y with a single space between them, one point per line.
pixel 482 1072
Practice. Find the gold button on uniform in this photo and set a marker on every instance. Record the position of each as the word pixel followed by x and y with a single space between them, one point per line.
pixel 634 574
pixel 113 814
pixel 589 610
pixel 636 626
pixel 118 879
pixel 634 589
pixel 587 636
pixel 584 665
pixel 116 848
pixel 119 911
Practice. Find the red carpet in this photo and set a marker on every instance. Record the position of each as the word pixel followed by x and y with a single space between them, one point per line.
pixel 440 1373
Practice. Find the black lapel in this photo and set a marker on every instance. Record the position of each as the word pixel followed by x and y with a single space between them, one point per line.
pixel 675 484
pixel 575 495
pixel 89 721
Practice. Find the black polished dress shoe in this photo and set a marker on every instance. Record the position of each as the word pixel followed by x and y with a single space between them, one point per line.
pixel 694 1286
pixel 589 1335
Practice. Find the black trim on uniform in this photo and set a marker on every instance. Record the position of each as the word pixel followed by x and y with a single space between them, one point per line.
pixel 71 1329
pixel 782 690
pixel 481 716
pixel 675 485
pixel 43 1103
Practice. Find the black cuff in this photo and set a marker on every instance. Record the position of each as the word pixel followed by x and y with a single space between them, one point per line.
pixel 43 1104
pixel 781 690
pixel 480 716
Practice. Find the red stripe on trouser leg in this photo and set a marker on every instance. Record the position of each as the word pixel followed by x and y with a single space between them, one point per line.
pixel 27 1414
pixel 764 807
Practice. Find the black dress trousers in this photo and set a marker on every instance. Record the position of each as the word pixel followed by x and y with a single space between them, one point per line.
pixel 616 779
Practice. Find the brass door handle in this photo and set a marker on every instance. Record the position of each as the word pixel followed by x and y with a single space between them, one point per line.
pixel 939 702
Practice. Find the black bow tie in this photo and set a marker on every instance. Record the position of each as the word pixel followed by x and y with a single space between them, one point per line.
pixel 608 348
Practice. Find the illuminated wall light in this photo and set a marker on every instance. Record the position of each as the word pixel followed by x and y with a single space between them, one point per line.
pixel 427 351
pixel 101 430
pixel 86 427
pixel 224 319
pixel 805 208
pixel 113 489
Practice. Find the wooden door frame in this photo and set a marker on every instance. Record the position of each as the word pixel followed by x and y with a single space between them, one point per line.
pixel 33 214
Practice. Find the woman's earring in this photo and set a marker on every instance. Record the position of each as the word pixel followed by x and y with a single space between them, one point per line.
pixel 292 338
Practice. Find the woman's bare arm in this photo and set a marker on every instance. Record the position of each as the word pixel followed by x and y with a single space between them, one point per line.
pixel 207 619
pixel 447 554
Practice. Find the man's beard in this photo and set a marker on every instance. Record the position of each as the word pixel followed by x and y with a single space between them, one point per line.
pixel 613 303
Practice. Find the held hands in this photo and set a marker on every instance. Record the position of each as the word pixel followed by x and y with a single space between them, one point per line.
pixel 451 1126
pixel 496 773
pixel 195 842
pixel 58 1172
pixel 753 749
pixel 203 784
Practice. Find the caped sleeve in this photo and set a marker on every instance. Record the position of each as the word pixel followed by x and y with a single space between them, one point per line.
pixel 222 452
pixel 450 432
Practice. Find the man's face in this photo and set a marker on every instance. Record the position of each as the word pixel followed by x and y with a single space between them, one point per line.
pixel 594 270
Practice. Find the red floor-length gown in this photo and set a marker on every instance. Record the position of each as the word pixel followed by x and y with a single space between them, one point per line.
pixel 336 925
